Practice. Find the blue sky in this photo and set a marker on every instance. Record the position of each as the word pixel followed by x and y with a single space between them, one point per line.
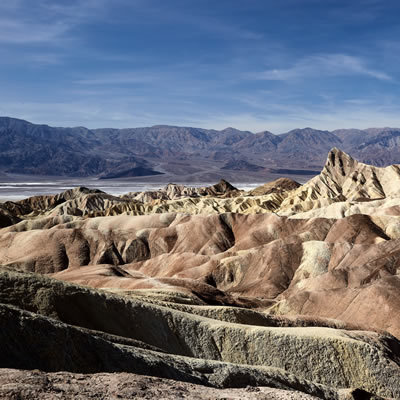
pixel 251 64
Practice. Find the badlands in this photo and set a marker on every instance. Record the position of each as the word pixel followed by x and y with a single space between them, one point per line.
pixel 287 291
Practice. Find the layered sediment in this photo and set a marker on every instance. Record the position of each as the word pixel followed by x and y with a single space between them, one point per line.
pixel 290 286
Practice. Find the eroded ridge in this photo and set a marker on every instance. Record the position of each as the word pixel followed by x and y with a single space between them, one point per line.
pixel 290 286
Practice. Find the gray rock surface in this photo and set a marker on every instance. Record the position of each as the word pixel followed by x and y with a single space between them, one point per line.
pixel 40 385
pixel 54 326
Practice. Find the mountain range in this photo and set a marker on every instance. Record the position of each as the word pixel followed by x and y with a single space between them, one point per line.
pixel 183 153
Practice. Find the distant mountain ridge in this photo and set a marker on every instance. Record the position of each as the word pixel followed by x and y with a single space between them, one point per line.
pixel 27 148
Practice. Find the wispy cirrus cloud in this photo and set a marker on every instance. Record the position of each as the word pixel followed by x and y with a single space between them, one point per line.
pixel 47 21
pixel 143 62
pixel 132 111
pixel 124 78
pixel 193 18
pixel 278 119
pixel 323 65
pixel 23 31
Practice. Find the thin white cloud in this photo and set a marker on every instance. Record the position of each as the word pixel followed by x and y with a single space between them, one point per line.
pixel 26 22
pixel 134 112
pixel 119 79
pixel 44 21
pixel 345 117
pixel 75 9
pixel 157 12
pixel 180 80
pixel 19 31
pixel 323 65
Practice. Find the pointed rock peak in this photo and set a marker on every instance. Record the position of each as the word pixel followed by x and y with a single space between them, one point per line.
pixel 265 133
pixel 279 185
pixel 307 129
pixel 171 186
pixel 339 161
pixel 229 129
pixel 337 150
pixel 336 154
pixel 79 190
pixel 224 181
pixel 224 186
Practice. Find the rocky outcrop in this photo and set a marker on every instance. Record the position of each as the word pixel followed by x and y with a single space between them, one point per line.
pixel 7 218
pixel 280 186
pixel 173 192
pixel 198 205
pixel 344 179
pixel 39 205
pixel 41 385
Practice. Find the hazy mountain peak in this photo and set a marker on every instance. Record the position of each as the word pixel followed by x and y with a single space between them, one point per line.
pixel 306 130
pixel 268 133
pixel 27 148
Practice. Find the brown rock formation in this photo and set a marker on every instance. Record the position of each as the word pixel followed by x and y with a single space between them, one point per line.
pixel 280 185
pixel 173 192
pixel 46 386
pixel 214 274
pixel 225 257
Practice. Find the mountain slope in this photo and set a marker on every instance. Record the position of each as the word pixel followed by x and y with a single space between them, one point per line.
pixel 27 148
